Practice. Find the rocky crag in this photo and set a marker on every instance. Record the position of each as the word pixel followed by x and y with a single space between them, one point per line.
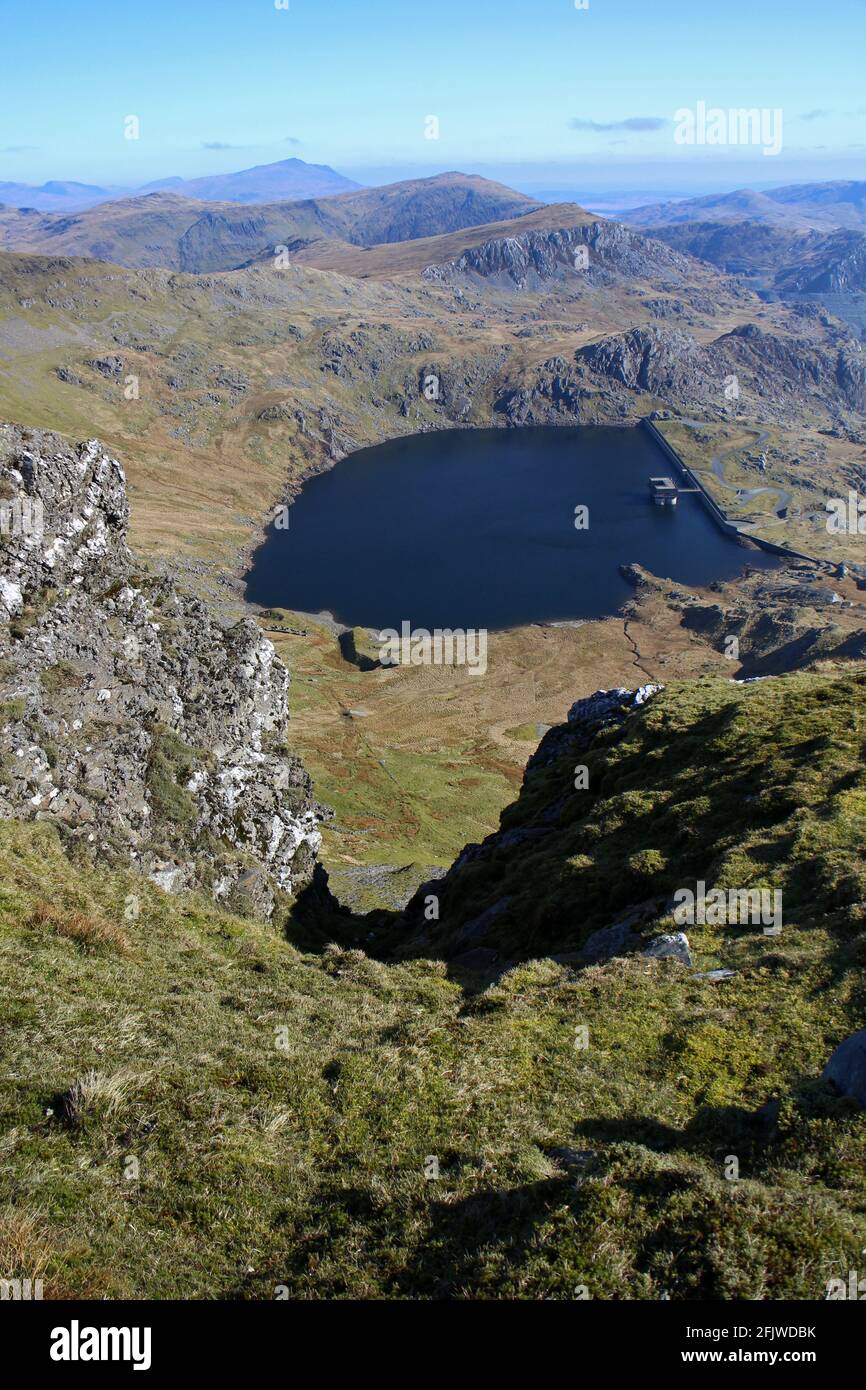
pixel 604 252
pixel 129 719
pixel 782 619
pixel 670 366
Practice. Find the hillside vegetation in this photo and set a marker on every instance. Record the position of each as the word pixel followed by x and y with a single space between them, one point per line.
pixel 288 1103
pixel 741 786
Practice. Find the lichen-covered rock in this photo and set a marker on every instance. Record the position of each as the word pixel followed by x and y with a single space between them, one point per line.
pixel 128 717
pixel 672 946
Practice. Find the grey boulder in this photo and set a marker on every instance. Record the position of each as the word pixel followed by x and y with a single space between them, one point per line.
pixel 846 1069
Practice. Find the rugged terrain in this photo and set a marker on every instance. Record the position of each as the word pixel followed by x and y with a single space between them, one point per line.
pixel 224 391
pixel 822 270
pixel 524 1083
pixel 194 1108
pixel 804 245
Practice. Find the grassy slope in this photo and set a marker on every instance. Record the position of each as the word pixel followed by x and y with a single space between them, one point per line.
pixel 749 786
pixel 303 1166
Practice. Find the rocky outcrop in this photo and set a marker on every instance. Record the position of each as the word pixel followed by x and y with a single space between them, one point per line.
pixel 774 375
pixel 596 250
pixel 369 350
pixel 661 361
pixel 588 717
pixel 783 621
pixel 129 718
pixel 836 263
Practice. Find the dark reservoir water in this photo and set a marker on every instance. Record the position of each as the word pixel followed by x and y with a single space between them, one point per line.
pixel 469 528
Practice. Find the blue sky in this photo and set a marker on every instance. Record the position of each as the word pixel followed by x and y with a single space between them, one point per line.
pixel 224 84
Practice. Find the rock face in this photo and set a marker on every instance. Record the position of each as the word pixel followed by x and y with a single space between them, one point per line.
pixel 128 718
pixel 596 250
pixel 662 363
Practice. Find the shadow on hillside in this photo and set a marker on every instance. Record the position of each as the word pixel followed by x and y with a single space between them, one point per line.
pixel 349 651
pixel 711 1127
pixel 470 1244
pixel 317 919
pixel 467 1241
pixel 549 881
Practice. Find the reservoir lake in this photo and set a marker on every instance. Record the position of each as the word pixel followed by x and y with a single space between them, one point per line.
pixel 476 529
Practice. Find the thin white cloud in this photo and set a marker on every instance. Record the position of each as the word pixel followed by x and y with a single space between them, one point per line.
pixel 639 123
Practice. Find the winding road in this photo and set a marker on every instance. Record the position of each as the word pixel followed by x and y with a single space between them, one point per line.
pixel 744 495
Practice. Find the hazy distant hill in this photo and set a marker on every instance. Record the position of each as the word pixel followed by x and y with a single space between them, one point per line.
pixel 181 233
pixel 54 196
pixel 265 183
pixel 735 247
pixel 819 206
pixel 840 204
pixel 827 268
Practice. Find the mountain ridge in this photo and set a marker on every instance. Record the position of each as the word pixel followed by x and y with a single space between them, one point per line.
pixel 811 206
pixel 164 228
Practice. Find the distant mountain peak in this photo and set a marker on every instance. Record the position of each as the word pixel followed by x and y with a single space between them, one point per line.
pixel 286 180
